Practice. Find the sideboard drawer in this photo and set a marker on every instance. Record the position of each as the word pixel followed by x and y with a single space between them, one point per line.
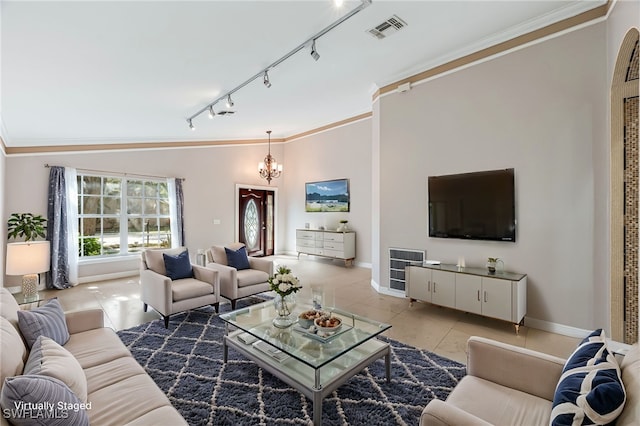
pixel 305 235
pixel 333 236
pixel 332 245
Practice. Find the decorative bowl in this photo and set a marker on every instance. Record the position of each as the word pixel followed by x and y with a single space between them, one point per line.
pixel 327 324
pixel 306 318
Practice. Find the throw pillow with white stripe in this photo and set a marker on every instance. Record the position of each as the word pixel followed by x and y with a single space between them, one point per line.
pixel 590 391
pixel 47 320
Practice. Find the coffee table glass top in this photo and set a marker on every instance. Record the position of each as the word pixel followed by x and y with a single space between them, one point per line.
pixel 313 350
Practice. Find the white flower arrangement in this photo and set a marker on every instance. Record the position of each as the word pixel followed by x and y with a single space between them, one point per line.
pixel 284 282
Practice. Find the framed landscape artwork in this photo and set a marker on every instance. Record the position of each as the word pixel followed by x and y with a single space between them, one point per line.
pixel 327 196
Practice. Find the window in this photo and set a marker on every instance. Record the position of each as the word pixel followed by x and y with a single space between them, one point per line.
pixel 119 216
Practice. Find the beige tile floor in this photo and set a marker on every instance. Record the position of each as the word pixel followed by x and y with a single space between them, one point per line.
pixel 441 330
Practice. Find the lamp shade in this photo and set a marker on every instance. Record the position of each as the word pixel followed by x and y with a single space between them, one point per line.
pixel 27 258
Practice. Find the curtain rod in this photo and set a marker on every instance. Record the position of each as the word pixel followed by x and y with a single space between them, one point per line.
pixel 120 173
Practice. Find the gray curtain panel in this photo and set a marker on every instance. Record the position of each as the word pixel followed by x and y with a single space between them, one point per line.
pixel 180 211
pixel 58 275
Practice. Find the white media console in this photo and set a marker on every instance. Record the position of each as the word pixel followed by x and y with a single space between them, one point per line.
pixel 501 295
pixel 333 244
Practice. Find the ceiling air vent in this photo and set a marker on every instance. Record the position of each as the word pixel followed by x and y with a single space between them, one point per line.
pixel 225 112
pixel 388 27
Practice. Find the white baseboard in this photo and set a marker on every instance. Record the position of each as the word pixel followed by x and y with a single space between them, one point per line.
pixel 552 327
pixel 104 277
pixel 388 291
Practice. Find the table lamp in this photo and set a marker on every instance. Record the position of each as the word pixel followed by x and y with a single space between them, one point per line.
pixel 28 259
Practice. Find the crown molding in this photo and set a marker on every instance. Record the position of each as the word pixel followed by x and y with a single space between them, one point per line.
pixel 52 149
pixel 499 48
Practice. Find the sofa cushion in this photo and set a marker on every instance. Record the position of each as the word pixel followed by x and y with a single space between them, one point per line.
pixel 178 266
pixel 52 401
pixel 95 347
pixel 155 260
pixel 630 367
pixel 129 399
pixel 248 277
pixel 189 288
pixel 237 258
pixel 515 407
pixel 46 320
pixel 48 358
pixel 12 350
pixel 590 390
pixel 9 307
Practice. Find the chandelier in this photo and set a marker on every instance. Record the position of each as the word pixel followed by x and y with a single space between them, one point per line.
pixel 269 168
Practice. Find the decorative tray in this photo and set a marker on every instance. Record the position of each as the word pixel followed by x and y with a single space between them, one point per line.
pixel 321 337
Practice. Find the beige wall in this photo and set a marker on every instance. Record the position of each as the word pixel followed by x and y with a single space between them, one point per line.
pixel 343 152
pixel 541 110
pixel 211 175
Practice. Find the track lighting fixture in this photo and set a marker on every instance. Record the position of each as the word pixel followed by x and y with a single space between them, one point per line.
pixel 314 53
pixel 264 73
pixel 265 79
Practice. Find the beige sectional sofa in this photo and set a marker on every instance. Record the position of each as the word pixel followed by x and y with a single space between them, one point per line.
pixel 119 392
pixel 509 385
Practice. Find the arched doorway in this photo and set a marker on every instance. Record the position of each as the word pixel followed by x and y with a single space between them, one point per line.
pixel 625 196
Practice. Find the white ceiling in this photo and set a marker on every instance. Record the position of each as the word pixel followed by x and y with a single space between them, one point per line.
pixel 89 72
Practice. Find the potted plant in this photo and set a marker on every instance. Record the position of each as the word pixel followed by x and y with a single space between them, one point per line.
pixel 491 264
pixel 28 258
pixel 26 225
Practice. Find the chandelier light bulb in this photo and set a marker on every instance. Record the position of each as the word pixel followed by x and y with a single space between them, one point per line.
pixel 191 126
pixel 229 102
pixel 212 113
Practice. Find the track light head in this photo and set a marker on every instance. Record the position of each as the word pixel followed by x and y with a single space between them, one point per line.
pixel 229 102
pixel 314 53
pixel 265 79
pixel 212 113
pixel 191 126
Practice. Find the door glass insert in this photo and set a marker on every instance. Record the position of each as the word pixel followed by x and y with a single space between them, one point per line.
pixel 251 224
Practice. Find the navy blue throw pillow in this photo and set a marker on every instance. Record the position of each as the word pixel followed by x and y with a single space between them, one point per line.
pixel 590 390
pixel 237 258
pixel 179 266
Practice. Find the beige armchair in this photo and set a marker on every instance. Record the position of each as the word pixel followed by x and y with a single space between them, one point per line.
pixel 169 296
pixel 236 284
pixel 510 385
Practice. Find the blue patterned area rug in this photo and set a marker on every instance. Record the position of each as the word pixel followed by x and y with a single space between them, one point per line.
pixel 186 363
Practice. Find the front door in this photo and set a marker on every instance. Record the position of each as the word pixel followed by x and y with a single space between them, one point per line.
pixel 255 227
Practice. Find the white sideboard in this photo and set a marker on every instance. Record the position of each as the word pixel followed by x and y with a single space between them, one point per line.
pixel 333 244
pixel 501 295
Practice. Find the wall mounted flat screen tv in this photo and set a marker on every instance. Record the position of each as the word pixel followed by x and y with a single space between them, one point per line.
pixel 475 206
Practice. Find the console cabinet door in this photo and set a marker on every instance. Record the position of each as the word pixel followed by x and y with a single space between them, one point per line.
pixel 419 283
pixel 496 298
pixel 469 293
pixel 443 288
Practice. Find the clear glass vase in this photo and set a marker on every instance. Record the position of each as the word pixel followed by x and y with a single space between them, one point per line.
pixel 284 311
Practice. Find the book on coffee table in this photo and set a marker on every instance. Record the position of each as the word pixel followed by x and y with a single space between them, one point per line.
pixel 273 352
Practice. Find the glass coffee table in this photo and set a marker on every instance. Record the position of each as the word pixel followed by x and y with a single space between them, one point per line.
pixel 312 363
